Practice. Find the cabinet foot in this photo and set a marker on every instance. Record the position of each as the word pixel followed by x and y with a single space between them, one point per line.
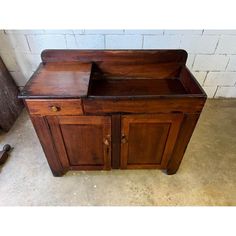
pixel 58 173
pixel 170 171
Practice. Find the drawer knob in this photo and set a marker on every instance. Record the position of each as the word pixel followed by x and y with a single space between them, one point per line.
pixel 55 108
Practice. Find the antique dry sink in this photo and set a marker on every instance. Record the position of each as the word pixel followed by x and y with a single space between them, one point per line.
pixel 113 109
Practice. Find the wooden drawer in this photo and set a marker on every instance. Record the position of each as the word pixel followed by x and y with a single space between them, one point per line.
pixel 54 106
pixel 161 105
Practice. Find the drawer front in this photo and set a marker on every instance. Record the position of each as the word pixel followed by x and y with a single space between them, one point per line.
pixel 163 105
pixel 54 106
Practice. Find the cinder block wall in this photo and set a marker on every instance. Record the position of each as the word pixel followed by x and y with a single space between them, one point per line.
pixel 212 53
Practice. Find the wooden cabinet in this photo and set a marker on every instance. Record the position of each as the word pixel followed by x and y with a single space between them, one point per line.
pixel 101 110
pixel 84 142
pixel 147 141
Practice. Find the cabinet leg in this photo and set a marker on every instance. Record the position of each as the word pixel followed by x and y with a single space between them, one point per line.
pixel 171 171
pixel 58 173
pixel 185 134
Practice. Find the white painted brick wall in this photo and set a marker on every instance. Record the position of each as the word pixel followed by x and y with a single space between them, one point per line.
pixel 71 42
pixel 211 53
pixel 58 32
pixel 5 44
pixel 146 32
pixel 229 92
pixel 10 61
pixel 232 64
pixel 183 32
pixel 90 41
pixel 153 41
pixel 211 91
pixel 227 45
pixel 103 32
pixel 190 60
pixel 123 41
pixel 25 31
pixel 19 77
pixel 220 78
pixel 28 62
pixel 210 62
pixel 199 44
pixel 200 76
pixel 37 43
pixel 219 32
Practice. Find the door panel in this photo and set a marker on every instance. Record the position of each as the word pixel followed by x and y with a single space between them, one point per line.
pixel 148 140
pixel 147 149
pixel 84 141
pixel 83 145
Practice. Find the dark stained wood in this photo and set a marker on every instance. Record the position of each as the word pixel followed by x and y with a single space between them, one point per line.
pixel 135 87
pixel 147 141
pixel 142 105
pixel 56 80
pixel 116 138
pixel 186 131
pixel 91 73
pixel 58 141
pixel 97 110
pixel 126 56
pixel 132 63
pixel 54 106
pixel 121 69
pixel 44 135
pixel 82 140
pixel 10 105
pixel 190 83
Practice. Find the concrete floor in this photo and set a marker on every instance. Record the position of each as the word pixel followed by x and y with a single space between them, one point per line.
pixel 207 175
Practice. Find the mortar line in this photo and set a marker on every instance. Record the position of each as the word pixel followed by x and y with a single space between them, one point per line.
pixel 216 91
pixel 217 44
pixel 227 64
pixel 142 40
pixel 27 42
pixel 105 44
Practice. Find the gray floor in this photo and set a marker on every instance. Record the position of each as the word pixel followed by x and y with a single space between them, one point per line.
pixel 207 175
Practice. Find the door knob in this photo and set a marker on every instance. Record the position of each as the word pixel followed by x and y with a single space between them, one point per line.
pixel 123 139
pixel 106 142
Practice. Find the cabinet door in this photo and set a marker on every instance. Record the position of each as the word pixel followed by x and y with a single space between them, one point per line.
pixel 83 142
pixel 147 141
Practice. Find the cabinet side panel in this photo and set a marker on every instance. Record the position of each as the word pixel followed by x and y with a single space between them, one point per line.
pixel 44 135
pixel 186 131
